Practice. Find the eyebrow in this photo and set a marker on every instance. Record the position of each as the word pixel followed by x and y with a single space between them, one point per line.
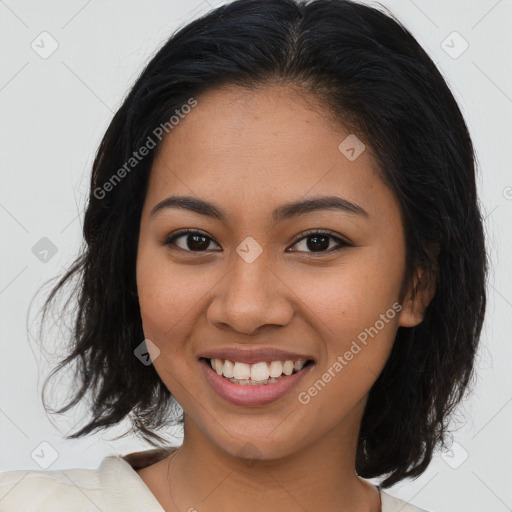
pixel 280 214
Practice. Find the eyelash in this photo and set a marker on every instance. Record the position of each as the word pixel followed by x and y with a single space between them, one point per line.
pixel 308 234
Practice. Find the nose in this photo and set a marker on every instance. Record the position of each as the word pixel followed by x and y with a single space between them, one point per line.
pixel 249 297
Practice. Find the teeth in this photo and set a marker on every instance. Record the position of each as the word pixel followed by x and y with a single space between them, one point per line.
pixel 241 371
pixel 288 367
pixel 217 366
pixel 227 369
pixel 298 365
pixel 276 369
pixel 257 372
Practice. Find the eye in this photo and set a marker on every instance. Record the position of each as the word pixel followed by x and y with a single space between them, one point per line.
pixel 320 242
pixel 195 241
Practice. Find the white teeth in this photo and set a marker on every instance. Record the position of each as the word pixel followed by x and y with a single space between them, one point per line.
pixel 217 365
pixel 257 372
pixel 288 367
pixel 227 370
pixel 276 369
pixel 241 371
pixel 298 365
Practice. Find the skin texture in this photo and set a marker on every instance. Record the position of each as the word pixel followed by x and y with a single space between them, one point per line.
pixel 249 152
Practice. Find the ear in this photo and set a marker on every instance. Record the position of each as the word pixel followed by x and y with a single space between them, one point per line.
pixel 419 295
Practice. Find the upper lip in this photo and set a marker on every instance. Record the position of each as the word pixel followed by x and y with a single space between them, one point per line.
pixel 254 355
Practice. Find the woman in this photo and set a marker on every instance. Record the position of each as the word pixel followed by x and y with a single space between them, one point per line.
pixel 283 237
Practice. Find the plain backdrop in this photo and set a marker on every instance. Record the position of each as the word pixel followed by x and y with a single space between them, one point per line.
pixel 54 111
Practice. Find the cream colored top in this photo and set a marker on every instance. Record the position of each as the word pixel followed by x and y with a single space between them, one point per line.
pixel 114 486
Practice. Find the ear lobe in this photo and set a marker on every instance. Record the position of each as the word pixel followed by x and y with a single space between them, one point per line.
pixel 417 299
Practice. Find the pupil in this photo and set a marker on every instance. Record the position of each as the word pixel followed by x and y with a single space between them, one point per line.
pixel 322 245
pixel 197 245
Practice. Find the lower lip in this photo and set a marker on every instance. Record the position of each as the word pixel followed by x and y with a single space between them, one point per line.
pixel 240 394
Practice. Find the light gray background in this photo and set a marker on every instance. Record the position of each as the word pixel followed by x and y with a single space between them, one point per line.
pixel 53 114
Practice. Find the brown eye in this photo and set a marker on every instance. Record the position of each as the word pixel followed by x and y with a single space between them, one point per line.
pixel 190 241
pixel 196 241
pixel 320 242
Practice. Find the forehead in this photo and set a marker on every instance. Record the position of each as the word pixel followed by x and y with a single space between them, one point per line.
pixel 263 145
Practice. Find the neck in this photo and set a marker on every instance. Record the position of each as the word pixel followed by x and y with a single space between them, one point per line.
pixel 201 476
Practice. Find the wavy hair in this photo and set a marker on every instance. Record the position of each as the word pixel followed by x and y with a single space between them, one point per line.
pixel 374 78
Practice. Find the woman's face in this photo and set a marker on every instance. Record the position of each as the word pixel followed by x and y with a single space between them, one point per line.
pixel 254 283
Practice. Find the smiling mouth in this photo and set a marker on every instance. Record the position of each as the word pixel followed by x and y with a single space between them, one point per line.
pixel 257 374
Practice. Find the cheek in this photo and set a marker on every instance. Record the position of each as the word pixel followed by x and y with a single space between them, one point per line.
pixel 352 296
pixel 167 296
pixel 172 297
pixel 168 300
pixel 356 314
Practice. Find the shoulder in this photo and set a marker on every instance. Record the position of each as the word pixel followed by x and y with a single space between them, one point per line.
pixel 393 504
pixel 113 486
pixel 27 491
